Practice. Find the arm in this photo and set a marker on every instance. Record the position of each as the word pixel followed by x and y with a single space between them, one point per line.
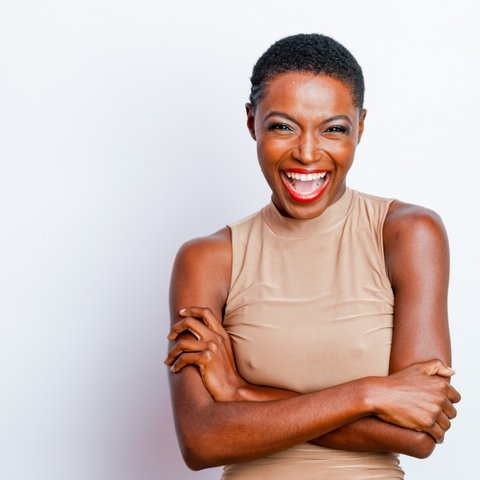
pixel 417 262
pixel 238 431
pixel 241 431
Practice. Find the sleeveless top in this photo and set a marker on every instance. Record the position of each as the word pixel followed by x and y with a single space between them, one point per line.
pixel 310 306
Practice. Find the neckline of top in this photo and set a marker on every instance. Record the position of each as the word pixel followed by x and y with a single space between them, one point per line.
pixel 333 217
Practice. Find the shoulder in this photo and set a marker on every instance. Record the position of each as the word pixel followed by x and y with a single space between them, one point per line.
pixel 412 221
pixel 413 236
pixel 203 267
pixel 210 252
pixel 201 274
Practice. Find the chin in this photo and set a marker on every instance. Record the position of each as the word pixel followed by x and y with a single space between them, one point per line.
pixel 300 210
pixel 305 212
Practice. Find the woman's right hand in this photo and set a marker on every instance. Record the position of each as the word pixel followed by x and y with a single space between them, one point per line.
pixel 418 397
pixel 212 353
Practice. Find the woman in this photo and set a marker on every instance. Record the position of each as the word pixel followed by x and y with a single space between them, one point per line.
pixel 287 364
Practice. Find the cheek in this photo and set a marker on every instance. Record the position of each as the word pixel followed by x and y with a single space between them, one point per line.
pixel 268 154
pixel 343 153
pixel 270 151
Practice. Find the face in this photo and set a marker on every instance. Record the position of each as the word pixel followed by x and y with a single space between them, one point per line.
pixel 307 129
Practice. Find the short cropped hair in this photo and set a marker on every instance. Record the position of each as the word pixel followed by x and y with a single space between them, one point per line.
pixel 310 53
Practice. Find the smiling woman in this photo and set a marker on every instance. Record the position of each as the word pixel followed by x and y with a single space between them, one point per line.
pixel 283 354
pixel 311 119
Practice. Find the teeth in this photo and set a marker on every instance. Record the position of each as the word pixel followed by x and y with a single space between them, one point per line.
pixel 305 177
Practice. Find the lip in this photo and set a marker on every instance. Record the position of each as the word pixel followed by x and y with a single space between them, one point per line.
pixel 311 196
pixel 304 170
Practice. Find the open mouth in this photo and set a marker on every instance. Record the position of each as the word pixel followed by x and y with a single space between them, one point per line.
pixel 305 186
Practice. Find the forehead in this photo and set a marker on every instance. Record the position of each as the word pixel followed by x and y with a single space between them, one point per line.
pixel 308 93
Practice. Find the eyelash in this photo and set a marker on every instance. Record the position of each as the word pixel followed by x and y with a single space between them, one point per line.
pixel 279 126
pixel 285 128
pixel 338 129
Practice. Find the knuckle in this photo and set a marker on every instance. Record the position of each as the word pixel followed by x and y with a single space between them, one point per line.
pixel 431 424
pixel 207 355
pixel 211 345
pixel 428 423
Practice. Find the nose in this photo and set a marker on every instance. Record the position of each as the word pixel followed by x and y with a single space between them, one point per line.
pixel 307 150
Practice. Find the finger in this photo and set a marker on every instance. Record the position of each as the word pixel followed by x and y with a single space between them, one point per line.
pixel 201 331
pixel 453 395
pixel 443 422
pixel 436 367
pixel 437 433
pixel 184 345
pixel 191 358
pixel 449 410
pixel 205 314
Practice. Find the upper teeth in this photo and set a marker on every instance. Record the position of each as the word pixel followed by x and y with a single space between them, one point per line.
pixel 305 177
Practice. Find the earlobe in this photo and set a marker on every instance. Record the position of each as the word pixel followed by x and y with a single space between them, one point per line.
pixel 250 120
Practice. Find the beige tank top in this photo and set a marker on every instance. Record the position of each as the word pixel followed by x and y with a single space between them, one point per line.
pixel 310 306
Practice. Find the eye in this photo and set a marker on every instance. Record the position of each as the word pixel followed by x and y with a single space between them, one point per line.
pixel 336 129
pixel 280 126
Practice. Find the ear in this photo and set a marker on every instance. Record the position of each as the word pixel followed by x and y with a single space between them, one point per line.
pixel 361 124
pixel 250 120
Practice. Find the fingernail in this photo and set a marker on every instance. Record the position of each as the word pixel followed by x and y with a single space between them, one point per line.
pixel 452 370
pixel 182 310
pixel 171 368
pixel 194 333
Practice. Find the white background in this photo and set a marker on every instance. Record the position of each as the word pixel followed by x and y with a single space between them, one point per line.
pixel 122 135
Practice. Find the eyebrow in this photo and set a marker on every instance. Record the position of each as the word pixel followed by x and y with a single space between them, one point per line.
pixel 280 114
pixel 293 119
pixel 337 117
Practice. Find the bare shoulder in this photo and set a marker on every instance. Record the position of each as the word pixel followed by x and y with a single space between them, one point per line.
pixel 212 250
pixel 406 222
pixel 201 273
pixel 413 235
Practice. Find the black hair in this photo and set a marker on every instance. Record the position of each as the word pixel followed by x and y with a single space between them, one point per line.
pixel 312 53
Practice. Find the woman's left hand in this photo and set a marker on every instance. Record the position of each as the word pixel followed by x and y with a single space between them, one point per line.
pixel 212 352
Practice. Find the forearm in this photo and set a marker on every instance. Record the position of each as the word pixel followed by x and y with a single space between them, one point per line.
pixel 218 433
pixel 369 434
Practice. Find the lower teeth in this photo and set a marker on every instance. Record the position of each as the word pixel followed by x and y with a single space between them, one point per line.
pixel 320 182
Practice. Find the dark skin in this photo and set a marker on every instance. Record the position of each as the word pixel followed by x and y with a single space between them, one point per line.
pixel 311 121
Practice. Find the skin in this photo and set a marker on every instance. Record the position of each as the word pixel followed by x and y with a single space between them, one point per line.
pixel 307 121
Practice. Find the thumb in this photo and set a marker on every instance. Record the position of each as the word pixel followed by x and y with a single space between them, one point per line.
pixel 436 367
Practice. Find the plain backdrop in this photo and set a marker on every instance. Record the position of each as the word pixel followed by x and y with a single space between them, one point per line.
pixel 122 135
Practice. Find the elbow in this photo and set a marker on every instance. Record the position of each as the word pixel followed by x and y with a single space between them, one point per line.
pixel 196 461
pixel 197 452
pixel 424 447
